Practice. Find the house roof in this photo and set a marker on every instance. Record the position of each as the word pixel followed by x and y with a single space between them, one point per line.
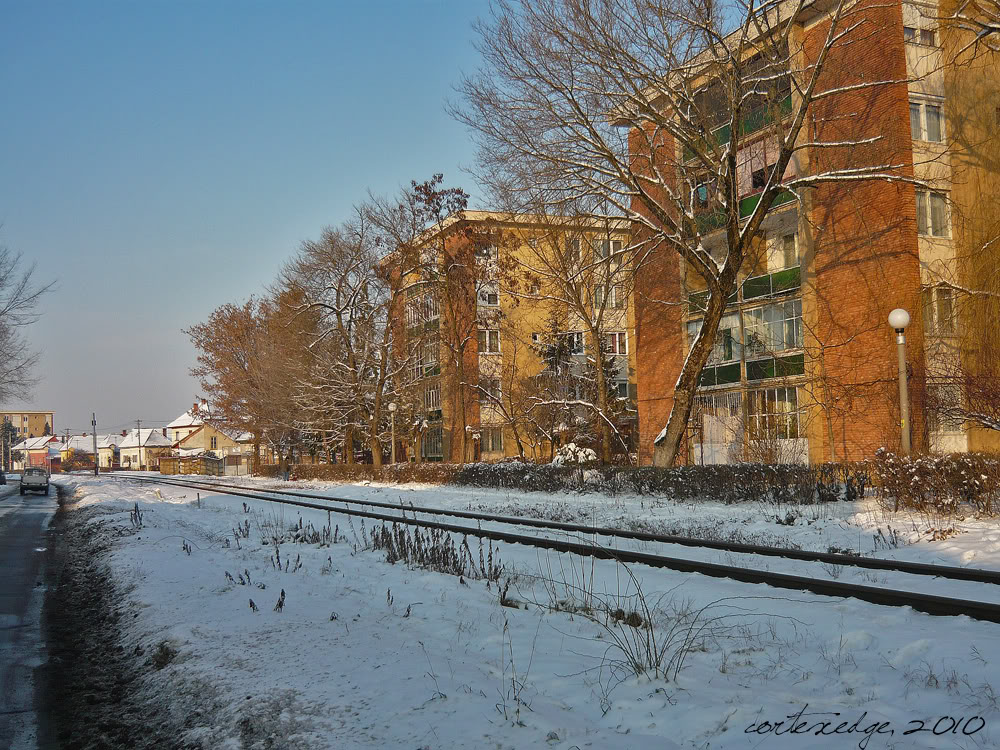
pixel 187 419
pixel 34 444
pixel 147 438
pixel 79 444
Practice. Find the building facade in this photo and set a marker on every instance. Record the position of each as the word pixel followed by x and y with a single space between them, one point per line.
pixel 804 367
pixel 29 424
pixel 501 355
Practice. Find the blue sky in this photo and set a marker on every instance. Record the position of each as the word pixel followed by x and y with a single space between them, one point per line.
pixel 158 159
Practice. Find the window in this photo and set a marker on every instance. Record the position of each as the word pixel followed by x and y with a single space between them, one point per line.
pixel 773 328
pixel 621 388
pixel 616 343
pixel 489 295
pixel 611 297
pixel 790 251
pixel 939 309
pixel 773 413
pixel 726 347
pixel 420 309
pixel 432 398
pixel 758 178
pixel 574 342
pixel 536 338
pixel 926 122
pixel 490 392
pixel 486 251
pixel 608 248
pixel 489 341
pixel 701 196
pixel 932 214
pixel 572 251
pixel 431 355
pixel 944 402
pixel 492 439
pixel 432 446
pixel 926 37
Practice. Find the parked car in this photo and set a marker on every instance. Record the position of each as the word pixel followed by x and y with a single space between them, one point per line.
pixel 3 478
pixel 36 479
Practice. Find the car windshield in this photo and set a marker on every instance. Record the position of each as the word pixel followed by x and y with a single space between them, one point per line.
pixel 35 471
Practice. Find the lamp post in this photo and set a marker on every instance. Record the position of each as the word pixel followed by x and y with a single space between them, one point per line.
pixel 392 419
pixel 898 320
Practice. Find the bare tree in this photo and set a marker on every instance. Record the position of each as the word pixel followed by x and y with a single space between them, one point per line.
pixel 438 270
pixel 19 298
pixel 356 363
pixel 643 109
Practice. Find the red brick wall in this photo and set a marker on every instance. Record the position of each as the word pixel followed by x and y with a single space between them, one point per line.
pixel 659 348
pixel 864 234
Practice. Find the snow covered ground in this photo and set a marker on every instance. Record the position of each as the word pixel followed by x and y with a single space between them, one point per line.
pixel 364 653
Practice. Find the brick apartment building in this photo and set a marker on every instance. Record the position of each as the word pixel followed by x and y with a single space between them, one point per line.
pixel 497 320
pixel 804 364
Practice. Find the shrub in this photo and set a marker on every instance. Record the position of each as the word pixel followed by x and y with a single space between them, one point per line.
pixel 943 484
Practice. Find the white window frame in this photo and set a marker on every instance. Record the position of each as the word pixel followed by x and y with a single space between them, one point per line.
pixel 925 214
pixel 787 423
pixel 773 328
pixel 432 397
pixel 489 340
pixel 718 356
pixel 616 343
pixel 490 391
pixel 493 439
pixel 938 304
pixel 921 126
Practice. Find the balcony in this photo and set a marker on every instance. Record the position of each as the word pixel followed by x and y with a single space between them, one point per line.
pixel 757 120
pixel 710 221
pixel 771 284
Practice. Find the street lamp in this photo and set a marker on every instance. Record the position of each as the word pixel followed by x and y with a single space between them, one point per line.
pixel 899 319
pixel 392 418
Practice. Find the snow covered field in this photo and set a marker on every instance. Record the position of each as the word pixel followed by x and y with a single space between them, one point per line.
pixel 364 653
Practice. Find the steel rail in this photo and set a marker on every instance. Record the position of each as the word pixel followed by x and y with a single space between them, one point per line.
pixel 927 603
pixel 874 563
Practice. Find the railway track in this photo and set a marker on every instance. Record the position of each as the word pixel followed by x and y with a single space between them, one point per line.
pixel 928 603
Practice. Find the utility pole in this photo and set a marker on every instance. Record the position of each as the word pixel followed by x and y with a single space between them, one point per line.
pixel 138 442
pixel 93 424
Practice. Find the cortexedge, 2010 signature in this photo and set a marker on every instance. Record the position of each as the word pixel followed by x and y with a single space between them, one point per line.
pixel 825 723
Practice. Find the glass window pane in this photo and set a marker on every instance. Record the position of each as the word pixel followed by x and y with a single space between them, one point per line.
pixel 939 220
pixel 915 122
pixel 927 37
pixel 909 33
pixel 933 122
pixel 921 212
pixel 790 251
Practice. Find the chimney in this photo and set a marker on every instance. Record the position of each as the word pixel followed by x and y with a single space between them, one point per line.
pixel 194 407
pixel 164 432
pixel 124 433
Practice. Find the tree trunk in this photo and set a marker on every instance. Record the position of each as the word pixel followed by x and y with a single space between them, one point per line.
pixel 349 445
pixel 666 449
pixel 376 449
pixel 602 403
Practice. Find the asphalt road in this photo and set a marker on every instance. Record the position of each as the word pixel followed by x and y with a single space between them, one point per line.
pixel 23 524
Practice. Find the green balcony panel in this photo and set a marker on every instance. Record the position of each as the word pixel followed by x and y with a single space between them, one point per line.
pixel 760 369
pixel 772 283
pixel 790 366
pixel 720 375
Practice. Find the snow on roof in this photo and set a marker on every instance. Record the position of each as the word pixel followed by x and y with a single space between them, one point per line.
pixel 187 419
pixel 108 441
pixel 148 438
pixel 79 444
pixel 193 417
pixel 34 444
